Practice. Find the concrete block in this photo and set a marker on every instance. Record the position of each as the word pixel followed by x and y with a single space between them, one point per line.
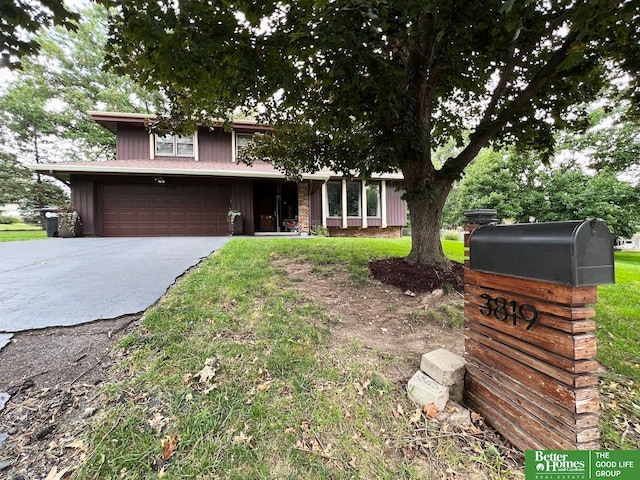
pixel 455 414
pixel 444 367
pixel 456 391
pixel 424 390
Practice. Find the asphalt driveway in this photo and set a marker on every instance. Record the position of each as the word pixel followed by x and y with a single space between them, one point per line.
pixel 68 281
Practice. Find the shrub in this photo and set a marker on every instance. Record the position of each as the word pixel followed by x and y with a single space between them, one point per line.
pixel 451 236
pixel 8 220
pixel 320 231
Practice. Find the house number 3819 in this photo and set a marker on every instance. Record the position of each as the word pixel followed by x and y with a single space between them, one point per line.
pixel 503 310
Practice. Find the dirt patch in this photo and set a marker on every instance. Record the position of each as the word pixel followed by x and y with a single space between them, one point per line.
pixel 381 318
pixel 53 378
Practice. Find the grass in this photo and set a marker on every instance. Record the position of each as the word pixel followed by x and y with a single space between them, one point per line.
pixel 618 318
pixel 618 332
pixel 18 226
pixel 282 403
pixel 16 235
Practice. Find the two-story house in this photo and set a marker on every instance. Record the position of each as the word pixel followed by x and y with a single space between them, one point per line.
pixel 186 185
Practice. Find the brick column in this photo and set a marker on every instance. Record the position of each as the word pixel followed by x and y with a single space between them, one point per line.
pixel 303 207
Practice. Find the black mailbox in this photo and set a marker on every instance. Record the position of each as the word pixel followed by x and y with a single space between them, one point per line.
pixel 577 253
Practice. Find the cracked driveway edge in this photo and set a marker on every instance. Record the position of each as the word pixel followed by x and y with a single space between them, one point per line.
pixel 69 281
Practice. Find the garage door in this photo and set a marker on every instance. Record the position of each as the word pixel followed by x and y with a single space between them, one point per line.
pixel 162 210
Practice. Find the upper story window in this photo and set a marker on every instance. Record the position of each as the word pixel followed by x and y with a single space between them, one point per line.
pixel 175 145
pixel 242 142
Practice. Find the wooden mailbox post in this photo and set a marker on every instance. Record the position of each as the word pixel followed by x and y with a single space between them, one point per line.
pixel 530 343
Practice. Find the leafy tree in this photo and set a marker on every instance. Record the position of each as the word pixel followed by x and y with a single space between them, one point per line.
pixel 365 86
pixel 521 188
pixel 571 194
pixel 14 179
pixel 19 185
pixel 612 141
pixel 19 18
pixel 49 100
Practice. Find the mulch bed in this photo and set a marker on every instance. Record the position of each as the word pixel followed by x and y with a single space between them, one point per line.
pixel 417 278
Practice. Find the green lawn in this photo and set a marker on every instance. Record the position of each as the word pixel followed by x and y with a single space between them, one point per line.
pixel 618 318
pixel 15 235
pixel 282 403
pixel 18 226
pixel 276 402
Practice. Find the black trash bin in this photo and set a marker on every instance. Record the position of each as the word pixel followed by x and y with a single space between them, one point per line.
pixel 52 226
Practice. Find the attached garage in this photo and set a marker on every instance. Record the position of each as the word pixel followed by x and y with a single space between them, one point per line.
pixel 147 210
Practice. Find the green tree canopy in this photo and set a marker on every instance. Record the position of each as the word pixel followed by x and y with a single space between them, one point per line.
pixel 521 188
pixel 14 179
pixel 49 100
pixel 367 86
pixel 19 19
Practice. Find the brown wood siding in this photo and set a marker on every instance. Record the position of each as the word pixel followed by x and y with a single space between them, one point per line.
pixel 374 221
pixel 83 201
pixel 315 203
pixel 214 146
pixel 132 143
pixel 242 201
pixel 396 206
pixel 334 222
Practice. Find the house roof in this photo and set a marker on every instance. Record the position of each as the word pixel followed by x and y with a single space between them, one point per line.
pixel 181 167
pixel 111 120
pixel 170 167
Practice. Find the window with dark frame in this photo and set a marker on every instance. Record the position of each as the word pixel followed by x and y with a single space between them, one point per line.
pixel 353 199
pixel 373 199
pixel 334 199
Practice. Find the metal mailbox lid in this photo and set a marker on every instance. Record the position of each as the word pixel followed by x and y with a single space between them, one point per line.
pixel 577 253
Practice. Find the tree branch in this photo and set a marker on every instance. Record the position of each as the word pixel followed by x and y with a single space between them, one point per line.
pixel 488 128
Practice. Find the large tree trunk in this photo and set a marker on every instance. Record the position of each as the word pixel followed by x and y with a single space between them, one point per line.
pixel 426 218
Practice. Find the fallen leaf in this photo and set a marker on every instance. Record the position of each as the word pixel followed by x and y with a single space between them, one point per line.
pixel 209 371
pixel 55 475
pixel 158 421
pixel 431 410
pixel 210 389
pixel 79 444
pixel 416 416
pixel 475 417
pixel 169 446
pixel 409 293
pixel 263 387
pixel 400 410
pixel 242 438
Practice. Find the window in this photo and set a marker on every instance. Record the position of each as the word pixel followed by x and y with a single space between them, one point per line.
pixel 373 199
pixel 353 199
pixel 334 198
pixel 175 146
pixel 242 141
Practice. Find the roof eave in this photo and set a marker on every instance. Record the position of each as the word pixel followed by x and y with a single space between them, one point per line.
pixel 65 170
